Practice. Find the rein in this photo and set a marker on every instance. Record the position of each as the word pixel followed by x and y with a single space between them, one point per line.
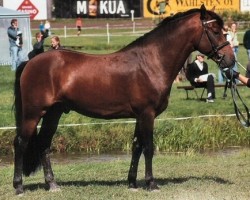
pixel 244 119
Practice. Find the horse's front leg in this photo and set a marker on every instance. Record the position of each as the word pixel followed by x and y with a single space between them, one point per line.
pixel 20 145
pixel 147 126
pixel 136 153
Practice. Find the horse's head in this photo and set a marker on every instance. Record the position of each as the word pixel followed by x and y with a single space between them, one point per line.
pixel 212 42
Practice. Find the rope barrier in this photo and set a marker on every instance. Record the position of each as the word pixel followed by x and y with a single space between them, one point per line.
pixel 126 122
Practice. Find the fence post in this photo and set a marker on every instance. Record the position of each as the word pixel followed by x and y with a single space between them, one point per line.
pixel 108 35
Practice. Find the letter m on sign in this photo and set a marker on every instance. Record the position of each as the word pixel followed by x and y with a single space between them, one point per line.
pixel 81 7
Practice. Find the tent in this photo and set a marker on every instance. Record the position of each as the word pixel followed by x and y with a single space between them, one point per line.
pixel 6 15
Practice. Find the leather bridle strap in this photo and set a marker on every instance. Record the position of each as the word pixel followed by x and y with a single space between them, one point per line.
pixel 215 49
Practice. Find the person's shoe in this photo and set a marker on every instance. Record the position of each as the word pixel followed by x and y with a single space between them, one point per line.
pixel 210 100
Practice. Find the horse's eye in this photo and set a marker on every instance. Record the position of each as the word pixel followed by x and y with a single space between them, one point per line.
pixel 216 32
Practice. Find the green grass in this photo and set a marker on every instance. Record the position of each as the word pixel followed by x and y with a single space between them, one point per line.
pixel 170 135
pixel 189 176
pixel 186 175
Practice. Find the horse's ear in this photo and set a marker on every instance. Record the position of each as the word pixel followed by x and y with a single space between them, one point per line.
pixel 203 11
pixel 213 9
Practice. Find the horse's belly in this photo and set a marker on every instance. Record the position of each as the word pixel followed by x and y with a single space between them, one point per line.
pixel 105 111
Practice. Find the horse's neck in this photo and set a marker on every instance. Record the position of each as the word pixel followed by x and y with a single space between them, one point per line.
pixel 173 47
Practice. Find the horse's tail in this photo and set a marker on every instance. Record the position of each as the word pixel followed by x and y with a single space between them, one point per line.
pixel 17 93
pixel 31 158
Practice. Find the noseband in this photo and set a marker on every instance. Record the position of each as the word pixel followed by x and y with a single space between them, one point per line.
pixel 214 52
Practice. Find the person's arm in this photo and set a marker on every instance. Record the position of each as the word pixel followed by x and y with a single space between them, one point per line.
pixel 12 33
pixel 205 70
pixel 38 45
pixel 244 80
pixel 231 74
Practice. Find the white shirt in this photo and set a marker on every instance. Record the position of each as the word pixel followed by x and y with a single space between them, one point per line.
pixel 199 64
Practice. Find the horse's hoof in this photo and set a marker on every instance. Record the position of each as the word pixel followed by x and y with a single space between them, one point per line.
pixel 153 187
pixel 53 187
pixel 19 191
pixel 132 186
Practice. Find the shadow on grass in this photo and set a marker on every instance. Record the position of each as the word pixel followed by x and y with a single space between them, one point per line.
pixel 141 183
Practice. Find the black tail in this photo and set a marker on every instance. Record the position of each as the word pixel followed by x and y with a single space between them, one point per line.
pixel 31 158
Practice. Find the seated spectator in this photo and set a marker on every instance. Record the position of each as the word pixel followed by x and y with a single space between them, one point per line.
pixel 197 74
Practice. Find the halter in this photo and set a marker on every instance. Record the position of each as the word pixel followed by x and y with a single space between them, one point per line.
pixel 215 49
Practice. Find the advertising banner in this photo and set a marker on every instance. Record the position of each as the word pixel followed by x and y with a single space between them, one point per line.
pixel 154 8
pixel 36 8
pixel 97 8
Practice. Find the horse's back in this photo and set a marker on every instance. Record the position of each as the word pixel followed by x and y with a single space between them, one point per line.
pixel 86 83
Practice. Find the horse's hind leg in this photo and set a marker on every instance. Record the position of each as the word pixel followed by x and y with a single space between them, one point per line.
pixel 20 145
pixel 136 153
pixel 48 128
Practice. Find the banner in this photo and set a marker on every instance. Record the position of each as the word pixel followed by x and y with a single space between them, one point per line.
pixel 97 8
pixel 153 8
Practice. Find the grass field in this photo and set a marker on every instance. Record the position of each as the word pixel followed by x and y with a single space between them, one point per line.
pixel 223 130
pixel 180 177
pixel 184 176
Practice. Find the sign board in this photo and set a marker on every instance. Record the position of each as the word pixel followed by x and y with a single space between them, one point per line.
pixel 36 8
pixel 97 8
pixel 151 7
pixel 27 6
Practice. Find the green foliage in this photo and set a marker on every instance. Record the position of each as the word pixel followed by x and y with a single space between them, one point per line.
pixel 235 15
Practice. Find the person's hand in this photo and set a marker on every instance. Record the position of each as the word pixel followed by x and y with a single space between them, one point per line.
pixel 231 74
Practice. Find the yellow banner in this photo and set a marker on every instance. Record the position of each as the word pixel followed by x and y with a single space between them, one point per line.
pixel 153 8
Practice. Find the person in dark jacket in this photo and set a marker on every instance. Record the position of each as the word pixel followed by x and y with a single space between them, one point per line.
pixel 38 46
pixel 246 42
pixel 197 74
pixel 15 40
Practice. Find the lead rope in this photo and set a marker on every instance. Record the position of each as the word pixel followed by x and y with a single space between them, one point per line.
pixel 244 119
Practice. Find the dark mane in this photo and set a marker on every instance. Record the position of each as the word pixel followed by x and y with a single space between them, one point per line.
pixel 176 17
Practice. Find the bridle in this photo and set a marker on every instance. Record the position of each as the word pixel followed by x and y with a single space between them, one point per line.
pixel 214 49
pixel 244 119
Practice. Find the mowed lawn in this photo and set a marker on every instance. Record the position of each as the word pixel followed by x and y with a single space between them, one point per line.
pixel 180 177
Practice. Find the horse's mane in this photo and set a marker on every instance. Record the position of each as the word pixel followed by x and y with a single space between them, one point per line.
pixel 180 15
pixel 165 22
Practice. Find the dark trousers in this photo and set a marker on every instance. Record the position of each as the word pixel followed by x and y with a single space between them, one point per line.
pixel 209 85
